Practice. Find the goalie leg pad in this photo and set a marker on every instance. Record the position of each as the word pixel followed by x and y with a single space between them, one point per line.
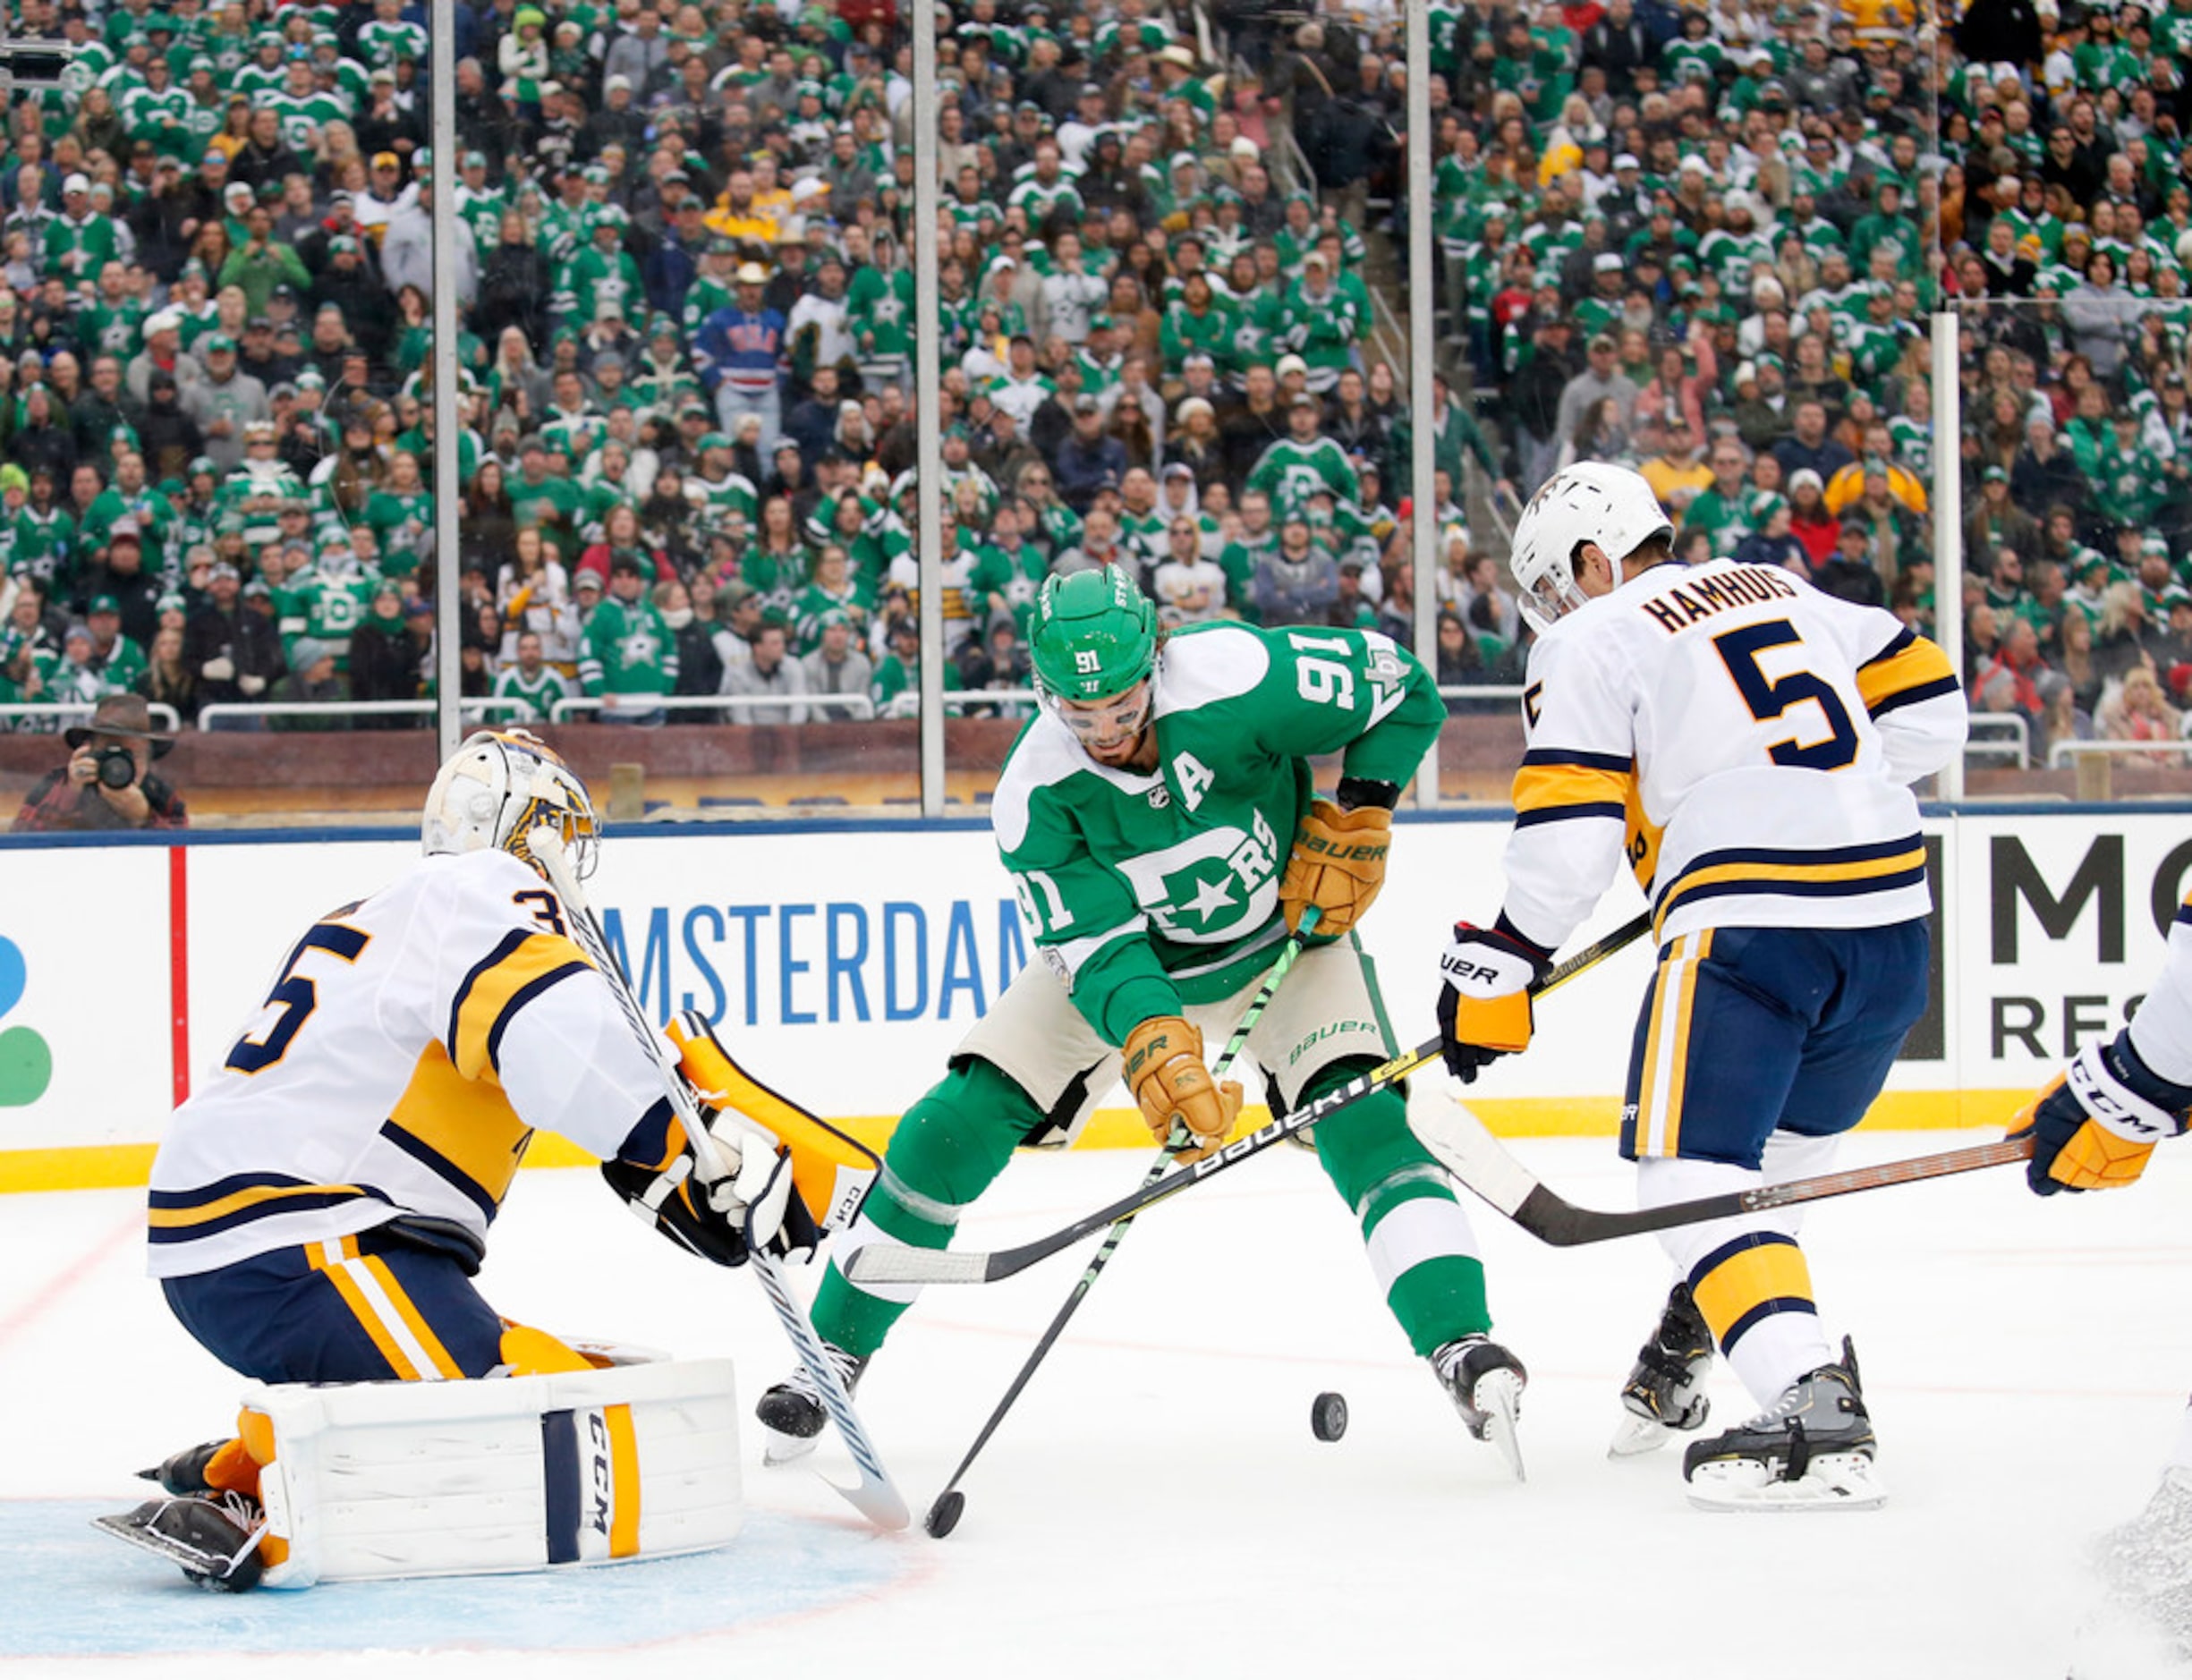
pixel 387 1480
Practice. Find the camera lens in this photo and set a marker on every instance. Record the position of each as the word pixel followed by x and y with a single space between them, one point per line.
pixel 117 767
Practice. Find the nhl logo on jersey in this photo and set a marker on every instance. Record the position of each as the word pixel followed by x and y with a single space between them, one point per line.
pixel 1159 797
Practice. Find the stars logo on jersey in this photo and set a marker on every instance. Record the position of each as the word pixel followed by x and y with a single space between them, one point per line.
pixel 26 1060
pixel 1210 886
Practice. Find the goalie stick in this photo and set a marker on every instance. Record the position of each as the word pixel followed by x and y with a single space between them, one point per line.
pixel 1477 1161
pixel 944 1513
pixel 875 1496
pixel 894 1265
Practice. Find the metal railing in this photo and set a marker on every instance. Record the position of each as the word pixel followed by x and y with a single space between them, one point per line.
pixel 162 713
pixel 2063 751
pixel 209 717
pixel 853 707
pixel 2017 747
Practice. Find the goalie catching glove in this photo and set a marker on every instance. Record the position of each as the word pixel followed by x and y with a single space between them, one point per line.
pixel 1338 862
pixel 788 1178
pixel 1484 1006
pixel 2094 1125
pixel 1164 1070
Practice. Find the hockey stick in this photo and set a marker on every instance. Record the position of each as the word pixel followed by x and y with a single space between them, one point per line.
pixel 944 1514
pixel 876 1496
pixel 1477 1161
pixel 895 1265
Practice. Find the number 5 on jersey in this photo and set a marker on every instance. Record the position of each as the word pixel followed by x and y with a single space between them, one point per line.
pixel 1768 698
pixel 295 995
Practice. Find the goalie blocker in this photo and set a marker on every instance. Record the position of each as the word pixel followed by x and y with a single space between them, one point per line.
pixel 789 1178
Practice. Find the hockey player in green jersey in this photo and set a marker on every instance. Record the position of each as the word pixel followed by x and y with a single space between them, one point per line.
pixel 1157 821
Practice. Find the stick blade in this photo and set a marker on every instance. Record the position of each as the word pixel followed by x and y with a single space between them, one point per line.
pixel 891 1263
pixel 1462 1145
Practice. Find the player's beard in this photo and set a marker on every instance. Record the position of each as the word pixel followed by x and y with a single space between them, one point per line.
pixel 1137 751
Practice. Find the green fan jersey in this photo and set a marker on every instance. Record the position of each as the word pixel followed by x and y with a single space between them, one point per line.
pixel 1290 473
pixel 627 650
pixel 1149 891
pixel 326 609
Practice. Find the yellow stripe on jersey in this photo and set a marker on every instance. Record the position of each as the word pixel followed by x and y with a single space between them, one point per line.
pixel 1666 1047
pixel 1910 668
pixel 523 965
pixel 623 1480
pixel 1553 785
pixel 1756 1275
pixel 464 1130
pixel 1643 838
pixel 171 1218
pixel 1857 869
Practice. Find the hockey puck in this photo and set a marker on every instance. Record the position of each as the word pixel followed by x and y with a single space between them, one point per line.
pixel 944 1515
pixel 1327 1419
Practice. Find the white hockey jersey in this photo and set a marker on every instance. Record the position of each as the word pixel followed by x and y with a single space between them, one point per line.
pixel 2162 1029
pixel 405 1053
pixel 1745 741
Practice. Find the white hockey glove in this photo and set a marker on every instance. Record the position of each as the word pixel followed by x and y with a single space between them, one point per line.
pixel 749 1204
pixel 1484 998
pixel 252 686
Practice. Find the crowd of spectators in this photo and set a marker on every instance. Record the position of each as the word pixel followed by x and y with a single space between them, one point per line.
pixel 1705 242
pixel 1702 241
pixel 686 277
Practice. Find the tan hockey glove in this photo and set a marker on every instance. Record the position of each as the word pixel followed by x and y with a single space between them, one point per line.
pixel 1337 864
pixel 1164 1071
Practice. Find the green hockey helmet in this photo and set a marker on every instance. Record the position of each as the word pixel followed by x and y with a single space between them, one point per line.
pixel 1094 635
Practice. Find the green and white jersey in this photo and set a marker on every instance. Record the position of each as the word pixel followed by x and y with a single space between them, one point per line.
pixel 123 665
pixel 1013 579
pixel 733 493
pixel 301 119
pixel 42 545
pixel 1149 891
pixel 1914 444
pixel 326 609
pixel 881 304
pixel 538 693
pixel 1039 200
pixel 627 650
pixel 385 43
pixel 1291 472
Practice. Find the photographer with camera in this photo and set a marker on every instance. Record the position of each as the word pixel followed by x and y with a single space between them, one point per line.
pixel 108 782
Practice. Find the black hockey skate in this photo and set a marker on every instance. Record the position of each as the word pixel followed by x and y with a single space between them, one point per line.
pixel 183 1473
pixel 1485 1383
pixel 1812 1450
pixel 214 1540
pixel 792 1411
pixel 1661 1394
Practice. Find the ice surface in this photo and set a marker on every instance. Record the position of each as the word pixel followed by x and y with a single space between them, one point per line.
pixel 1157 1504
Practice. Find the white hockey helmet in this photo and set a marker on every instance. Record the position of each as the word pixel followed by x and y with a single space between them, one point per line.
pixel 1593 503
pixel 496 788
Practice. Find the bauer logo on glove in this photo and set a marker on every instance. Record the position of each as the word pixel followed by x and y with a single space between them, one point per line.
pixel 1484 1005
pixel 1337 865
